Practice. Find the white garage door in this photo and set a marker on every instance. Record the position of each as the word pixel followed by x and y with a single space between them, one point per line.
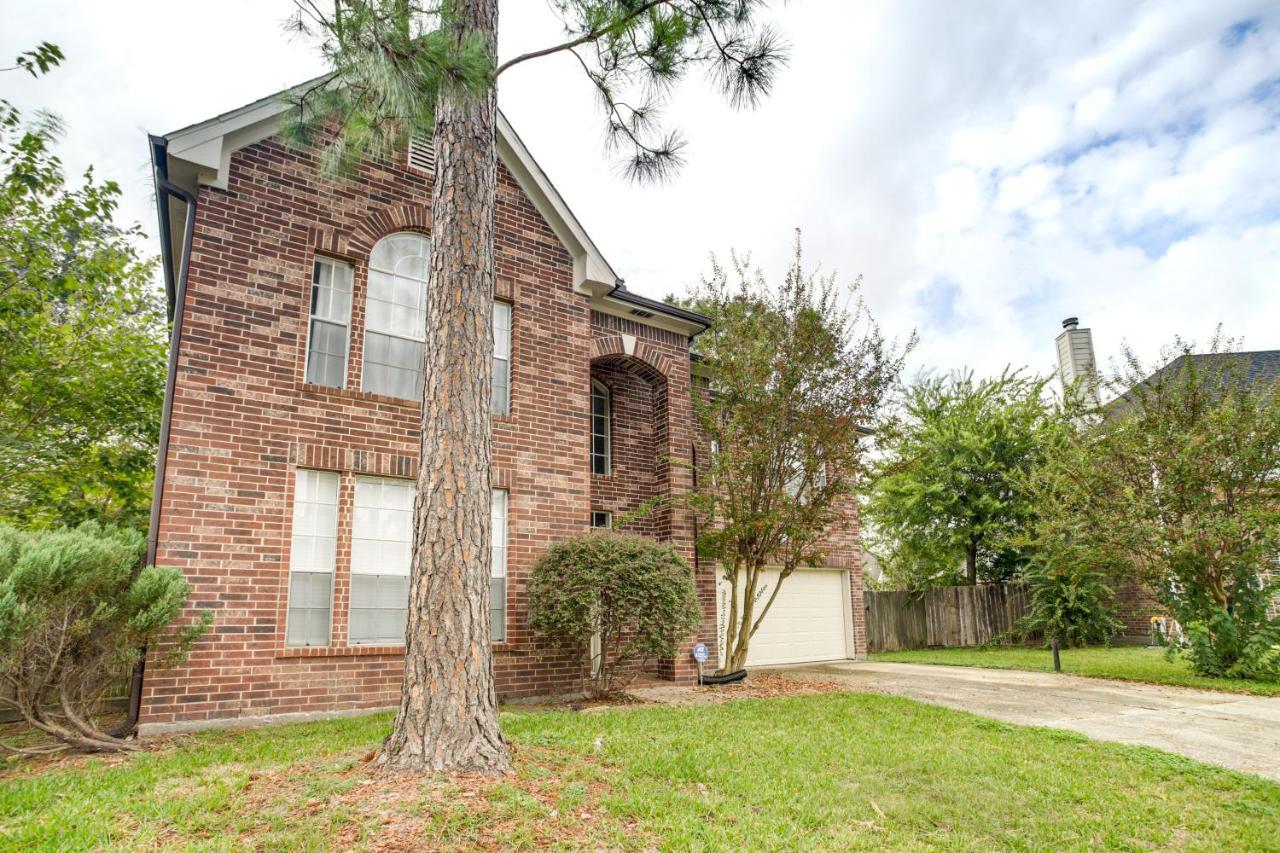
pixel 809 621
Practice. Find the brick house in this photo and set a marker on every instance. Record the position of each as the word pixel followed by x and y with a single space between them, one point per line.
pixel 290 438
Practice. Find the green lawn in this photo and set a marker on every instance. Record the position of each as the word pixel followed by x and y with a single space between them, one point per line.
pixel 1127 663
pixel 833 771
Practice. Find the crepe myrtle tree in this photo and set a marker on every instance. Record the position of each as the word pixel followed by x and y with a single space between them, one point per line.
pixel 405 67
pixel 791 375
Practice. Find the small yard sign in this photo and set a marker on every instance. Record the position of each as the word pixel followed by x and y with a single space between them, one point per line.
pixel 700 652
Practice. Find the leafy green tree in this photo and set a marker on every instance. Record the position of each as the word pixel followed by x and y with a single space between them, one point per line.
pixel 792 376
pixel 1179 485
pixel 1070 603
pixel 945 503
pixel 402 67
pixel 82 338
pixel 616 600
pixel 76 608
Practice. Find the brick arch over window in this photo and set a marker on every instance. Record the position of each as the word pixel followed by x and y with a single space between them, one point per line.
pixel 359 241
pixel 649 357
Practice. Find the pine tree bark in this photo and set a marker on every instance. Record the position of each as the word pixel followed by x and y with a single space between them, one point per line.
pixel 448 717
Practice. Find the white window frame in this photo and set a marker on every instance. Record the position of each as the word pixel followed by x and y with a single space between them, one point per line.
pixel 499 517
pixel 601 391
pixel 368 328
pixel 503 317
pixel 380 570
pixel 348 272
pixel 329 481
pixel 601 515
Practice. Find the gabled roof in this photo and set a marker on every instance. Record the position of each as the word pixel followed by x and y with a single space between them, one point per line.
pixel 200 154
pixel 1258 370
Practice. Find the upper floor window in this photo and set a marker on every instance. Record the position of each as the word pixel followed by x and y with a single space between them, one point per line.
pixel 396 315
pixel 501 358
pixel 330 322
pixel 600 440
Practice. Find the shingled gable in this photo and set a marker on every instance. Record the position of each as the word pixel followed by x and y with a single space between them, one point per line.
pixel 200 154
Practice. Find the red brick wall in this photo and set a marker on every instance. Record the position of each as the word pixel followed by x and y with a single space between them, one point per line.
pixel 244 421
pixel 648 371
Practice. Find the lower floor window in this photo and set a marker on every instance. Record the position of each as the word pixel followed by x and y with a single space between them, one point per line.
pixel 311 558
pixel 498 566
pixel 309 597
pixel 381 548
pixel 381 553
pixel 379 605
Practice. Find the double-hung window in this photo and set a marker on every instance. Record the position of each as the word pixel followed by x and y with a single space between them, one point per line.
pixel 395 316
pixel 381 545
pixel 498 565
pixel 311 558
pixel 501 358
pixel 600 439
pixel 330 321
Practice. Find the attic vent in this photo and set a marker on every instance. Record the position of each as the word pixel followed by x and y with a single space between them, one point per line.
pixel 422 154
pixel 638 313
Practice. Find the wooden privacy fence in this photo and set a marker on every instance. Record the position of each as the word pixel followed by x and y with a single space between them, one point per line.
pixel 949 616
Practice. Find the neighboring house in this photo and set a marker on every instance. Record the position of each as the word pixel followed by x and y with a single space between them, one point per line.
pixel 1137 604
pixel 290 439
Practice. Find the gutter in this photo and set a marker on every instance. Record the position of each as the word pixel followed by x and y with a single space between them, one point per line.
pixel 175 283
pixel 620 293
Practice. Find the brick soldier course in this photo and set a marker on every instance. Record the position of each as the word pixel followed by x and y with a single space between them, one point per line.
pixel 244 420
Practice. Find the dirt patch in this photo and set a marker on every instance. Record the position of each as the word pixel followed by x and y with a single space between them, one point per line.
pixel 763 685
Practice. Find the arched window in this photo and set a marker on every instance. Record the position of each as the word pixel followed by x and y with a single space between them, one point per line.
pixel 395 315
pixel 600 434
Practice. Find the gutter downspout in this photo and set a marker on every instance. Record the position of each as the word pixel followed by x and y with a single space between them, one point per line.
pixel 175 291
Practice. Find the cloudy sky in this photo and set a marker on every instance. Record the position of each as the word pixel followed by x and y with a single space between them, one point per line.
pixel 987 167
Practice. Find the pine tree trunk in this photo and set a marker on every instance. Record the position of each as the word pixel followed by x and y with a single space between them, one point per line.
pixel 448 718
pixel 971 562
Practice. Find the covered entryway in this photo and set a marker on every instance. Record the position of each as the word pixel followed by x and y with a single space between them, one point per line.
pixel 810 621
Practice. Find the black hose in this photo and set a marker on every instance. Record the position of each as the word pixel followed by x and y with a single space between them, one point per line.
pixel 727 678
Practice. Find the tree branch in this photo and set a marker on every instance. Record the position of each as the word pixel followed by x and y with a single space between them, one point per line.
pixel 583 39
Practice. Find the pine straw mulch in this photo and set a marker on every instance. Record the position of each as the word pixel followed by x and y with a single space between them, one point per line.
pixel 553 800
pixel 758 685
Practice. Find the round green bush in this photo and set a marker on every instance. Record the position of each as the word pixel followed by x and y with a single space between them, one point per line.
pixel 635 594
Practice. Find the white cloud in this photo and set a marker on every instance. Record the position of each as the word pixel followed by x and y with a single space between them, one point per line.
pixel 1103 159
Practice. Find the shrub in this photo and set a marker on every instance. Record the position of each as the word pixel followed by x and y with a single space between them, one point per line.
pixel 635 594
pixel 1069 603
pixel 1235 645
pixel 76 606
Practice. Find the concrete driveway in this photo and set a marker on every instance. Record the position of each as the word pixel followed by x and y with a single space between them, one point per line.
pixel 1230 729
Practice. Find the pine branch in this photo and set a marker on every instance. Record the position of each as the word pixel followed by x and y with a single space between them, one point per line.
pixel 590 36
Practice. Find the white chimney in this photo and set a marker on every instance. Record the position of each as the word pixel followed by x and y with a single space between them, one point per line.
pixel 1077 367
